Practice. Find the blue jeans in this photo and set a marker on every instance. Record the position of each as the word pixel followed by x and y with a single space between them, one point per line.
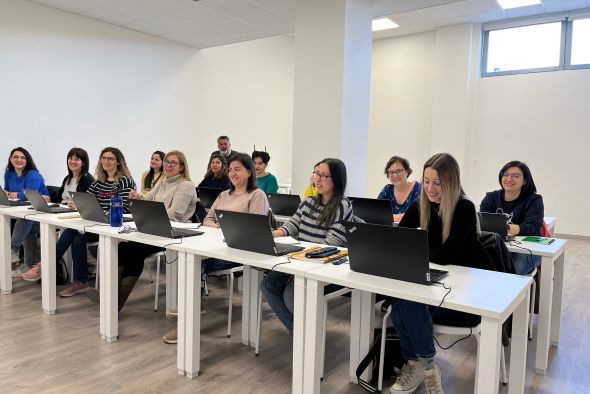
pixel 524 262
pixel 78 243
pixel 25 233
pixel 211 265
pixel 279 290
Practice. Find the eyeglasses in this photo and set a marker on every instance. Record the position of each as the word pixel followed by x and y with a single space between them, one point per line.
pixel 426 182
pixel 171 163
pixel 514 175
pixel 321 176
pixel 108 158
pixel 397 172
pixel 18 158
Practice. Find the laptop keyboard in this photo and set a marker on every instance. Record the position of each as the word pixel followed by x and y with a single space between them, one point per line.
pixel 180 232
pixel 286 248
pixel 436 275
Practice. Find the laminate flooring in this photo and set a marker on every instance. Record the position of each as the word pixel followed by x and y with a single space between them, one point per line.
pixel 64 353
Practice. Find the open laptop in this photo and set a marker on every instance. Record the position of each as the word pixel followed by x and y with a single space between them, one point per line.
pixel 151 218
pixel 372 210
pixel 495 223
pixel 283 204
pixel 39 203
pixel 207 196
pixel 248 231
pixel 6 202
pixel 391 252
pixel 90 208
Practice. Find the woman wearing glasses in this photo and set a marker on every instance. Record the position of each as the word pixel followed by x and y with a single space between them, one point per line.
pixel 518 199
pixel 399 191
pixel 450 219
pixel 319 219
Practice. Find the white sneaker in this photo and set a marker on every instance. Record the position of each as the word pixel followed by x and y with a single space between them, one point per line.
pixel 433 380
pixel 14 257
pixel 409 380
pixel 20 270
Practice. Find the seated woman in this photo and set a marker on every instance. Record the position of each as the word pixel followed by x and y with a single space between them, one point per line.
pixel 399 191
pixel 152 176
pixel 265 180
pixel 318 219
pixel 518 199
pixel 243 196
pixel 311 189
pixel 216 176
pixel 21 173
pixel 78 178
pixel 451 221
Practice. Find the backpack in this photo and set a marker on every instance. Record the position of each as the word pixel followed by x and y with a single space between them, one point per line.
pixel 62 276
pixel 392 360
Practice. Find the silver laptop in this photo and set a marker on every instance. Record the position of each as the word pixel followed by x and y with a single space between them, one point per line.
pixel 39 203
pixel 6 202
pixel 90 209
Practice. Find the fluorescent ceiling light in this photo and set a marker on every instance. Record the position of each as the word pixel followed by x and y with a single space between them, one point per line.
pixel 507 4
pixel 384 24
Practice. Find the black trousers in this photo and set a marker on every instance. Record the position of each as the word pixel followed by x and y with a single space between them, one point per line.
pixel 132 255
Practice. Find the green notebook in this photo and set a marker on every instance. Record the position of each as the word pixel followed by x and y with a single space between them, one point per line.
pixel 539 240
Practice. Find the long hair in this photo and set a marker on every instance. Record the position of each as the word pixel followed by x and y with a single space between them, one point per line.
pixel 223 172
pixel 83 156
pixel 529 185
pixel 247 162
pixel 451 191
pixel 149 179
pixel 181 162
pixel 338 176
pixel 122 169
pixel 30 162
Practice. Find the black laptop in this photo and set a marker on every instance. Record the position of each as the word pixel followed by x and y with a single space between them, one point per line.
pixel 207 196
pixel 6 202
pixel 39 203
pixel 151 218
pixel 248 231
pixel 372 210
pixel 283 204
pixel 391 252
pixel 495 223
pixel 90 209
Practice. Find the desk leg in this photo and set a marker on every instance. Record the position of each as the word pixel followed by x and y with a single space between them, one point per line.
pixel 172 279
pixel 249 317
pixel 488 357
pixel 5 256
pixel 48 240
pixel 362 317
pixel 109 288
pixel 545 303
pixel 557 298
pixel 299 331
pixel 518 345
pixel 314 316
pixel 247 305
pixel 189 315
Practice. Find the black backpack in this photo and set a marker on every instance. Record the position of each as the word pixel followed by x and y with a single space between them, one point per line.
pixel 62 276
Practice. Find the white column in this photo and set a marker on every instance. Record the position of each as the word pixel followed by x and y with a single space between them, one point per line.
pixel 333 43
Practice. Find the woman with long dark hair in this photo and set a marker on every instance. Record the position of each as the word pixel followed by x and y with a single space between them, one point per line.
pixel 216 176
pixel 78 178
pixel 152 176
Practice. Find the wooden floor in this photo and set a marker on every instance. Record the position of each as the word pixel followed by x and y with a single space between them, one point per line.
pixel 64 353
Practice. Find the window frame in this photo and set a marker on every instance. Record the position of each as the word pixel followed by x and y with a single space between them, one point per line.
pixel 568 46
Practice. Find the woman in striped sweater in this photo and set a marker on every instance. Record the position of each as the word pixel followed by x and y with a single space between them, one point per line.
pixel 319 220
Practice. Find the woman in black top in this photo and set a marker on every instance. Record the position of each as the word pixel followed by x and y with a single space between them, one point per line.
pixel 217 173
pixel 451 221
pixel 78 178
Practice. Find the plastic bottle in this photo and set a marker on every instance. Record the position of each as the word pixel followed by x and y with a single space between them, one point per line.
pixel 116 212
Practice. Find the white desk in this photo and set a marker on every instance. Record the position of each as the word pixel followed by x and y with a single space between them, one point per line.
pixel 471 290
pixel 550 295
pixel 550 222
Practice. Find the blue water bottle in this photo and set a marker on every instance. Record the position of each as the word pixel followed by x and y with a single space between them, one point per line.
pixel 116 211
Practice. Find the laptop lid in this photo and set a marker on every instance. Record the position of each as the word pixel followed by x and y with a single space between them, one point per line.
pixel 207 196
pixel 89 207
pixel 372 210
pixel 494 223
pixel 246 231
pixel 283 204
pixel 37 201
pixel 4 200
pixel 151 218
pixel 391 252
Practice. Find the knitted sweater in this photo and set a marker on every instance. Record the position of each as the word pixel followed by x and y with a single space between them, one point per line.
pixel 178 195
pixel 104 190
pixel 253 202
pixel 31 179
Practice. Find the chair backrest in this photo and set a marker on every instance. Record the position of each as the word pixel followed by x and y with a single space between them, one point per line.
pixel 497 252
pixel 54 193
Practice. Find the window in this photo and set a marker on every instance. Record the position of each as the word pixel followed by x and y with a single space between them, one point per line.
pixel 552 45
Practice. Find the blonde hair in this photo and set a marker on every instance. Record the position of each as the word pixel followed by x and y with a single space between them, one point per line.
pixel 451 191
pixel 181 161
pixel 122 169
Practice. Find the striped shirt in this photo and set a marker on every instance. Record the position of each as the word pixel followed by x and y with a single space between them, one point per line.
pixel 304 224
pixel 104 190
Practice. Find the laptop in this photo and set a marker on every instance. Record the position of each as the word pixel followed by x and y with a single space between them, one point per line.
pixel 90 208
pixel 6 202
pixel 151 218
pixel 495 223
pixel 391 252
pixel 207 196
pixel 248 231
pixel 39 203
pixel 372 210
pixel 283 204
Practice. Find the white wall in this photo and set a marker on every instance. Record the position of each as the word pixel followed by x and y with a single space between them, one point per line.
pixel 68 80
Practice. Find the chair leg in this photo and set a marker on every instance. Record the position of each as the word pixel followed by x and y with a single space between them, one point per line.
pixel 324 326
pixel 382 352
pixel 532 309
pixel 157 283
pixel 96 275
pixel 231 300
pixel 503 365
pixel 477 356
pixel 258 324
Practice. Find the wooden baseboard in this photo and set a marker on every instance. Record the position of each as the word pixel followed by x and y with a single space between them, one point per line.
pixel 573 236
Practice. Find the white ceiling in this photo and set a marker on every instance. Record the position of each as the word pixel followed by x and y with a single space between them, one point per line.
pixel 208 23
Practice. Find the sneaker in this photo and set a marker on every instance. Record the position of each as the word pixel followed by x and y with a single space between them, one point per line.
pixel 409 380
pixel 34 274
pixel 73 289
pixel 433 381
pixel 19 271
pixel 171 337
pixel 14 257
pixel 172 314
